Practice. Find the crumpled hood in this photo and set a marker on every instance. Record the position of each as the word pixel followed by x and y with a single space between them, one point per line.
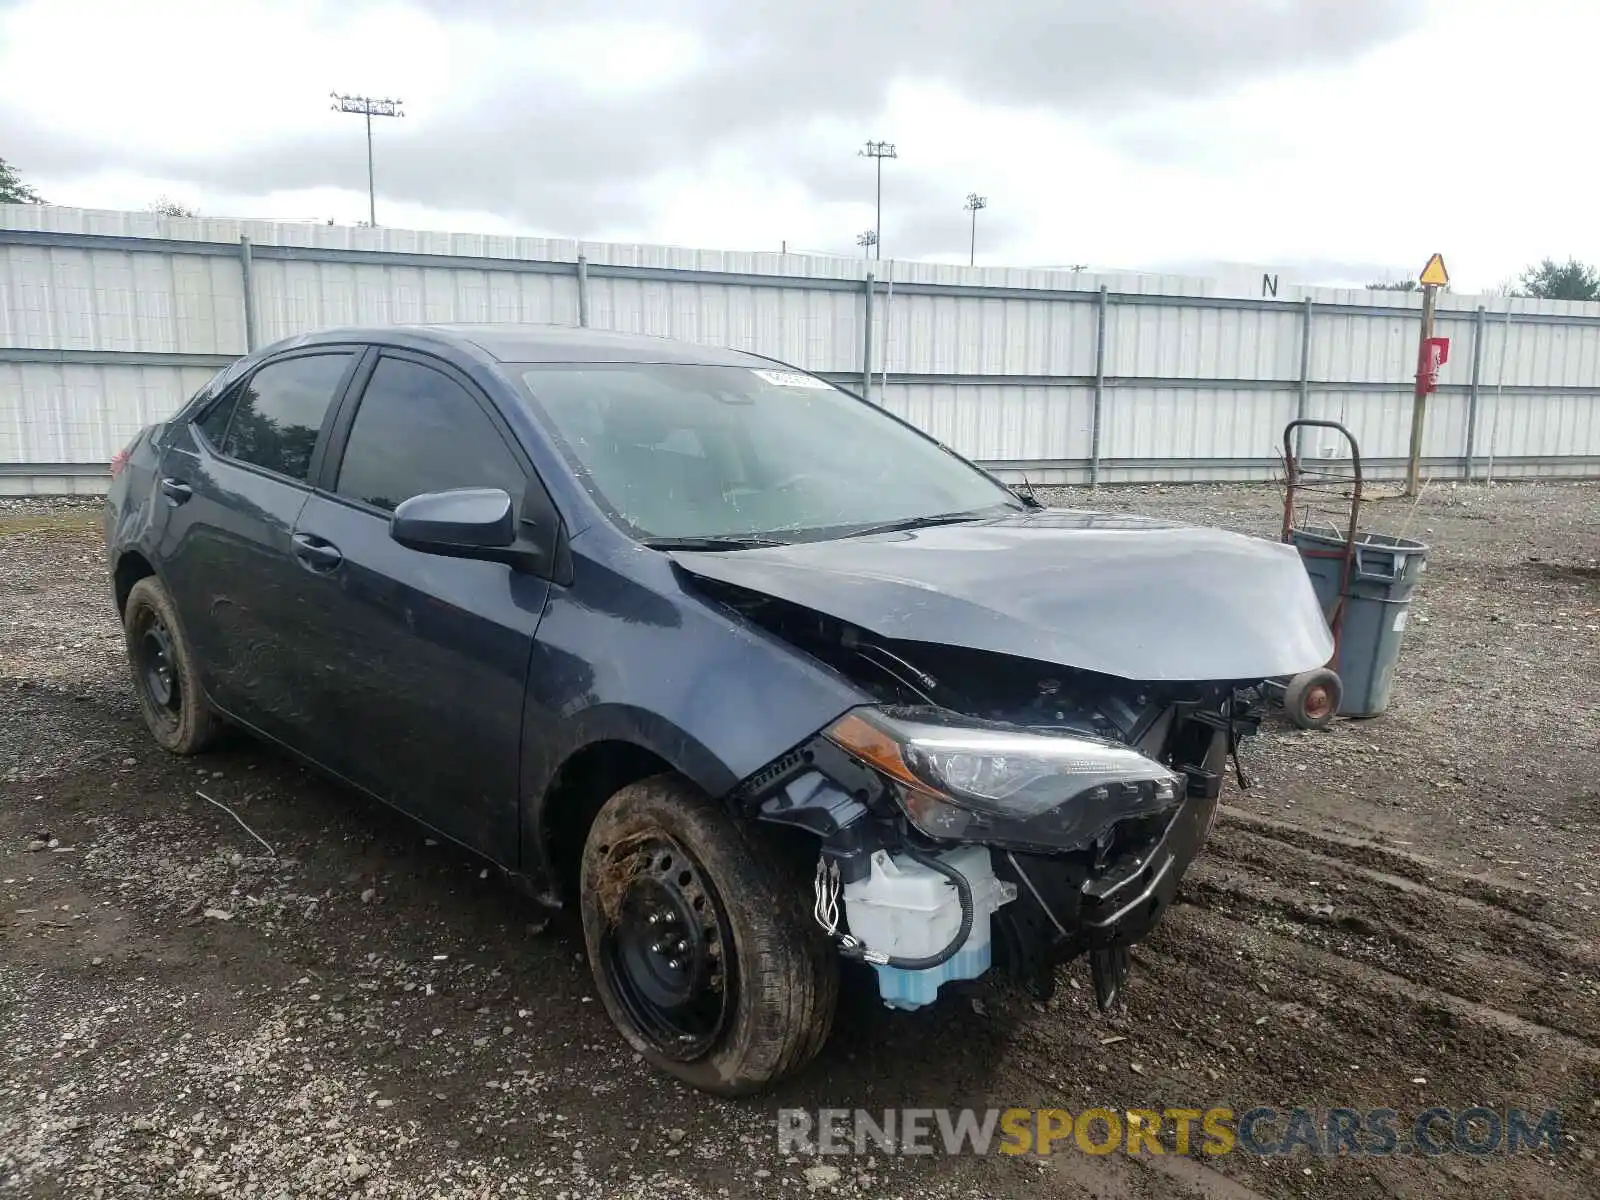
pixel 1120 595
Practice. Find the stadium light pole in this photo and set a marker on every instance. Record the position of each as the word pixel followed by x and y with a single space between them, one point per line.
pixel 973 204
pixel 867 241
pixel 368 107
pixel 879 151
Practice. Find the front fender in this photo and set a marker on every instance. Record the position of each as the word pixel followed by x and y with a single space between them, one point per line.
pixel 628 654
pixel 617 722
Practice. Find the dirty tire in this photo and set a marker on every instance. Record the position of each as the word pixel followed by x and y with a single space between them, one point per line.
pixel 1311 699
pixel 784 976
pixel 188 725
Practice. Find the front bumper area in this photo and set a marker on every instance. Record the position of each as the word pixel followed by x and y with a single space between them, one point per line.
pixel 1098 900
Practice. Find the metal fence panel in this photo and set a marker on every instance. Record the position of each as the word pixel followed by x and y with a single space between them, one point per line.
pixel 80 415
pixel 1533 425
pixel 1381 422
pixel 819 330
pixel 991 422
pixel 108 320
pixel 957 335
pixel 293 297
pixel 1151 423
pixel 62 298
pixel 1204 343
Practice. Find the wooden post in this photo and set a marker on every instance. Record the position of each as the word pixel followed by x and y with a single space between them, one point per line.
pixel 1419 402
pixel 1433 277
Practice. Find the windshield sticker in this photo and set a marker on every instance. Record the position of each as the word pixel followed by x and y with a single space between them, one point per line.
pixel 792 379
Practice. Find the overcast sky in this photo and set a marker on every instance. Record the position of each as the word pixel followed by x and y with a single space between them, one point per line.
pixel 1348 138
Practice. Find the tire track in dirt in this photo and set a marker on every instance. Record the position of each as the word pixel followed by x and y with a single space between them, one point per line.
pixel 1406 886
pixel 1420 934
pixel 1321 972
pixel 1326 961
pixel 1392 861
pixel 1165 1178
pixel 1223 1012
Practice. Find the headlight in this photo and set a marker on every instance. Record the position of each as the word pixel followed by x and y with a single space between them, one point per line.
pixel 962 778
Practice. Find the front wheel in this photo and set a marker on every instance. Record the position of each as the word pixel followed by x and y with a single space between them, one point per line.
pixel 701 942
pixel 165 678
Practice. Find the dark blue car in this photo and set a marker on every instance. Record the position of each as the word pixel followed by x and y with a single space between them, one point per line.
pixel 757 675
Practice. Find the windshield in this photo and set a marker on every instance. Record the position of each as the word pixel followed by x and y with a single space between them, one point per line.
pixel 688 451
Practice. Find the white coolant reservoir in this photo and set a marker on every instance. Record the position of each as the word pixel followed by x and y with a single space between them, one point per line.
pixel 906 910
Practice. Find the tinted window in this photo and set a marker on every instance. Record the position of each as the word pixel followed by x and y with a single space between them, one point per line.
pixel 215 423
pixel 419 431
pixel 279 413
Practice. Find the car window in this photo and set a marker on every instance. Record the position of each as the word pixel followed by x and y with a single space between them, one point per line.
pixel 417 430
pixel 712 451
pixel 215 423
pixel 279 412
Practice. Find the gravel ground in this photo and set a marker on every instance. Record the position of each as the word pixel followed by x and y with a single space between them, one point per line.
pixel 1401 912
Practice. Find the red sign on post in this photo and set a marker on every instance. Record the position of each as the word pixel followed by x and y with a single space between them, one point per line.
pixel 1435 353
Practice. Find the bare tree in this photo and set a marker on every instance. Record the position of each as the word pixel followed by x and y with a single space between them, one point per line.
pixel 167 207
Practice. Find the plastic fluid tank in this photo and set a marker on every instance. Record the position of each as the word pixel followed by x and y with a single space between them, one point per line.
pixel 906 910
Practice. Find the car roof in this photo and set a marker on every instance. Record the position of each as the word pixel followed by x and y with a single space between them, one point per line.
pixel 509 343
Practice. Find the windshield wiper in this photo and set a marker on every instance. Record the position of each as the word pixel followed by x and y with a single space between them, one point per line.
pixel 922 522
pixel 731 542
pixel 1030 499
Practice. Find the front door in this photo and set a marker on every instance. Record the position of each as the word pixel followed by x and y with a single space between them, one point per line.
pixel 233 484
pixel 421 661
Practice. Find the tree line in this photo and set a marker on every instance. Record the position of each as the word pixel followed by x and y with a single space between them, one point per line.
pixel 1546 280
pixel 15 190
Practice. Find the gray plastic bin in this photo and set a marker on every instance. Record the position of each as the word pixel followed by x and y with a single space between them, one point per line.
pixel 1377 604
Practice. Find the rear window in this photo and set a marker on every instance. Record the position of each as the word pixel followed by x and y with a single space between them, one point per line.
pixel 215 423
pixel 278 414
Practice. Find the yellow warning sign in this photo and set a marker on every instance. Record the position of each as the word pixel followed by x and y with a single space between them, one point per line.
pixel 1434 274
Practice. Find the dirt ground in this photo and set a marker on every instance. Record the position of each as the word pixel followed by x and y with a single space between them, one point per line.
pixel 1401 913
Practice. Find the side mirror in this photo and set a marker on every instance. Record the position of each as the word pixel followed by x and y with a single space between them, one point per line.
pixel 463 523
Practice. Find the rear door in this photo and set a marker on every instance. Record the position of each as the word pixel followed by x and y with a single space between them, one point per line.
pixel 420 661
pixel 233 482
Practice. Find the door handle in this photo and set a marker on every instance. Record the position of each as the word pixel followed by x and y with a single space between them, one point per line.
pixel 317 554
pixel 176 490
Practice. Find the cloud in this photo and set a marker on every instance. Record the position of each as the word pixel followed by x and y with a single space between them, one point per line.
pixel 838 55
pixel 572 123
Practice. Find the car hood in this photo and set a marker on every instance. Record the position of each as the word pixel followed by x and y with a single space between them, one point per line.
pixel 1107 592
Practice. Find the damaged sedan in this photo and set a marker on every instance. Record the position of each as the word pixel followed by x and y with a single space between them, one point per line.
pixel 757 677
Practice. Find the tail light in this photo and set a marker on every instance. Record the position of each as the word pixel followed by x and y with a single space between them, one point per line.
pixel 120 458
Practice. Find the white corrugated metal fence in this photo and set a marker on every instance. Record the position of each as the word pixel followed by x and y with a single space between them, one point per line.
pixel 110 320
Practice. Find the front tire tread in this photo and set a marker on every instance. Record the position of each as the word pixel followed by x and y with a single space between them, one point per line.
pixel 787 973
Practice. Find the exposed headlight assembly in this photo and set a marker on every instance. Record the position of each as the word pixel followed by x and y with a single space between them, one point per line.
pixel 967 780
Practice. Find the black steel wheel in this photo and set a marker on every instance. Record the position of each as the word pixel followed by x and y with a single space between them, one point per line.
pixel 700 937
pixel 165 681
pixel 154 667
pixel 667 954
pixel 1311 698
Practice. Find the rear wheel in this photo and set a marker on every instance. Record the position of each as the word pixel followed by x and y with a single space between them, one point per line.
pixel 700 940
pixel 1311 698
pixel 164 675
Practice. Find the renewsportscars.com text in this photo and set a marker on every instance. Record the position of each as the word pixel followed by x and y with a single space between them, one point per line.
pixel 1377 1132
